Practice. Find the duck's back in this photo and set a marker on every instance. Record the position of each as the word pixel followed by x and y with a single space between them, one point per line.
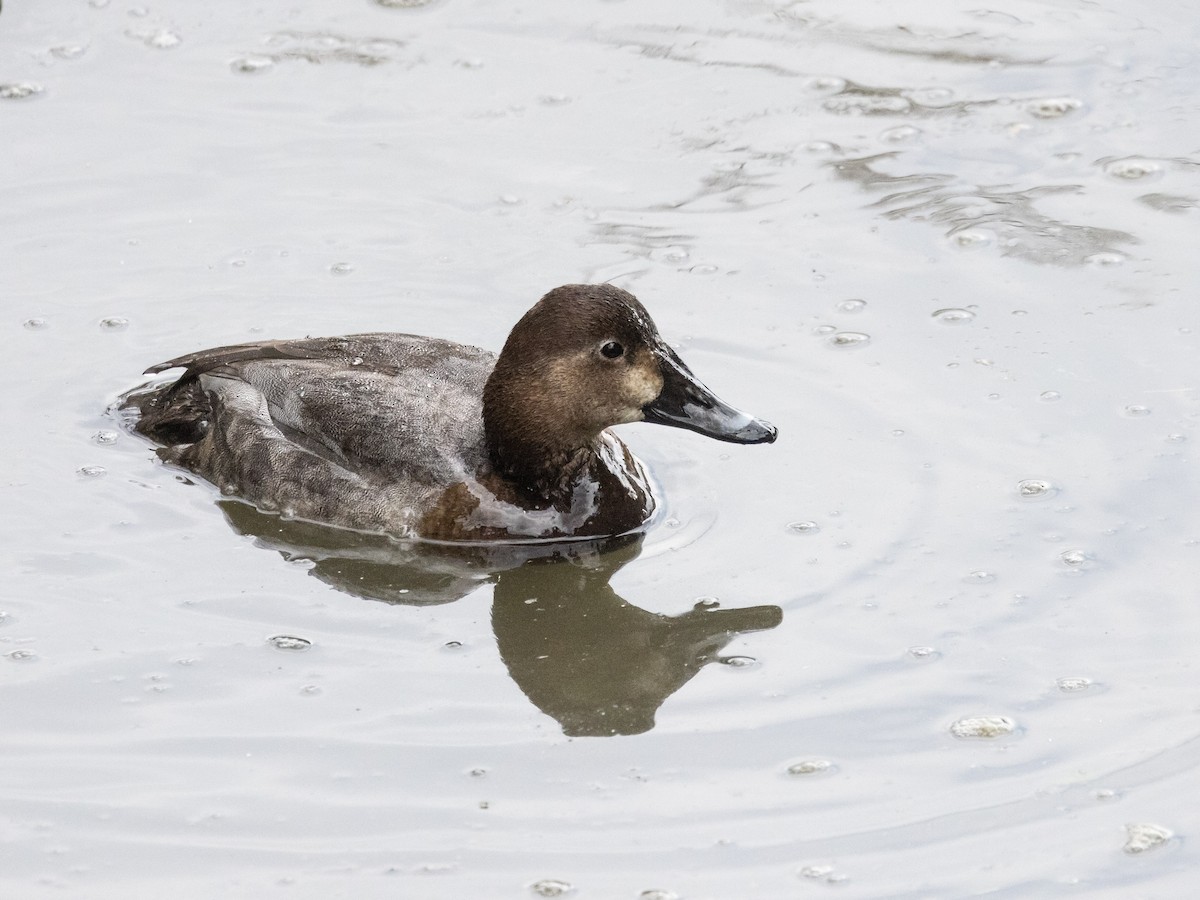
pixel 360 431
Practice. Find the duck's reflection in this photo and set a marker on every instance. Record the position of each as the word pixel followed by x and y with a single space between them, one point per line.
pixel 593 661
pixel 581 653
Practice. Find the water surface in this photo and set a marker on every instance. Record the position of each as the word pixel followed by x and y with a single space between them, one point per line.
pixel 938 641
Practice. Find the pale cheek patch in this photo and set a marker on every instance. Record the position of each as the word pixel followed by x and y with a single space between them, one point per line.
pixel 643 383
pixel 606 401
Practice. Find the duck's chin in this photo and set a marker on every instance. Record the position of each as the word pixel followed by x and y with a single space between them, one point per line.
pixel 626 417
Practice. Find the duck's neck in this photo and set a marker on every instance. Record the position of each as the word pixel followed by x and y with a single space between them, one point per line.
pixel 529 446
pixel 547 476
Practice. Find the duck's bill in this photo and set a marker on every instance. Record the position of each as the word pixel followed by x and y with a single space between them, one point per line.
pixel 686 403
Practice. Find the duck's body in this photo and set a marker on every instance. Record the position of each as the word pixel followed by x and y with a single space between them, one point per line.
pixel 422 437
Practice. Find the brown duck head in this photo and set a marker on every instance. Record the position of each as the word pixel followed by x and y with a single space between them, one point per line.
pixel 585 357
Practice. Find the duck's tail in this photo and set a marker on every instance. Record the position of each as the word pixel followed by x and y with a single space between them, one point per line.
pixel 171 414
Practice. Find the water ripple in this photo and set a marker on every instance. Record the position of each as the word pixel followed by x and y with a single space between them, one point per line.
pixel 1010 214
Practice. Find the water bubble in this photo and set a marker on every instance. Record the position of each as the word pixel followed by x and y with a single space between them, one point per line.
pixel 850 339
pixel 1053 107
pixel 824 873
pixel 897 432
pixel 900 134
pixel 35 324
pixel 862 105
pixel 812 767
pixel 1035 489
pixel 738 662
pixel 980 577
pixel 248 65
pixel 288 642
pixel 924 654
pixel 852 306
pixel 824 329
pixel 1137 411
pixel 452 645
pixel 932 96
pixel 973 237
pixel 1176 438
pixel 438 868
pixel 1050 396
pixel 803 527
pixel 403 4
pixel 310 690
pixel 672 522
pixel 953 316
pixel 983 727
pixel 552 887
pixel 1073 685
pixel 826 84
pixel 1133 168
pixel 114 323
pixel 19 90
pixel 706 603
pixel 1073 558
pixel 672 254
pixel 1105 259
pixel 1106 794
pixel 104 437
pixel 1142 836
pixel 163 39
pixel 819 147
pixel 814 871
pixel 657 894
pixel 68 51
pixel 554 99
pixel 23 655
pixel 341 268
pixel 477 771
pixel 92 471
pixel 703 270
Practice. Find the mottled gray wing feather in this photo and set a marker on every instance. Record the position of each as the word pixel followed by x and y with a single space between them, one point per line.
pixel 409 409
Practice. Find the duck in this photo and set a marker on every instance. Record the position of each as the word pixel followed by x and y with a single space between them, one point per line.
pixel 423 438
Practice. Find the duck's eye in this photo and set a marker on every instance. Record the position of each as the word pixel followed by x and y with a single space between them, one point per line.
pixel 612 350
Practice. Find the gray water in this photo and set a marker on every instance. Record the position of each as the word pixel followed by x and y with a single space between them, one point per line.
pixel 949 249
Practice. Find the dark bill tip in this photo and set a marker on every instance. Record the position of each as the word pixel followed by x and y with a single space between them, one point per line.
pixel 685 402
pixel 722 422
